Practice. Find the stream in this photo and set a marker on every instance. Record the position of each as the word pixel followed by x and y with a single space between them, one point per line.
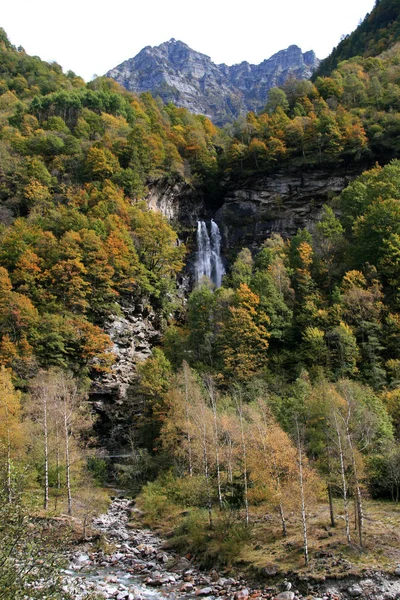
pixel 139 568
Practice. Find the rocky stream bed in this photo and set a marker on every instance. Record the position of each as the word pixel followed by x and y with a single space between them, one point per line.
pixel 139 568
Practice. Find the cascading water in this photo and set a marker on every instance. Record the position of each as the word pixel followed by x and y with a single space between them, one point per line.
pixel 208 260
pixel 216 261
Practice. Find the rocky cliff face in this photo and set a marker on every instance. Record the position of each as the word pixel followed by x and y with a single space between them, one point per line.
pixel 190 79
pixel 178 202
pixel 133 334
pixel 283 203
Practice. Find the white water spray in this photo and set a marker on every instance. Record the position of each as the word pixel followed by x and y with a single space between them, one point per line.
pixel 208 260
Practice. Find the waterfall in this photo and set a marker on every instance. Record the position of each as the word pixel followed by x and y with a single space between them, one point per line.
pixel 208 259
pixel 216 261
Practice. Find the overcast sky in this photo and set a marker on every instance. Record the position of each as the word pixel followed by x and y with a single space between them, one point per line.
pixel 91 36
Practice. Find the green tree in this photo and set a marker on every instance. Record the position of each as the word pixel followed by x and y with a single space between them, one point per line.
pixel 244 337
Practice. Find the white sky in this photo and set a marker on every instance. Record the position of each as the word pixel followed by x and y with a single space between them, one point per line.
pixel 92 36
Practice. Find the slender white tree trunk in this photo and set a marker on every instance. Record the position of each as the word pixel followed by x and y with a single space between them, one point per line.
pixel 67 457
pixel 58 456
pixel 359 512
pixel 207 475
pixel 283 519
pixel 303 504
pixel 46 453
pixel 189 437
pixel 229 458
pixel 343 477
pixel 211 393
pixel 329 486
pixel 244 459
pixel 9 482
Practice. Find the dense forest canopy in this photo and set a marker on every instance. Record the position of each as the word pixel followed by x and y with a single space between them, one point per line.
pixel 378 32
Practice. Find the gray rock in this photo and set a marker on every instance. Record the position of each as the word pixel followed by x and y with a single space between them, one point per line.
pixel 280 203
pixel 242 594
pixel 153 582
pixel 190 79
pixel 207 591
pixel 271 570
pixel 133 336
pixel 162 557
pixel 355 591
pixel 81 559
pixel 117 556
pixel 181 565
pixel 285 596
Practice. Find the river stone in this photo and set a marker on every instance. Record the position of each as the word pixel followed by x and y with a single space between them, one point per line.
pixel 168 579
pixel 354 591
pixel 242 594
pixel 153 582
pixel 204 591
pixel 180 565
pixel 162 557
pixel 285 596
pixel 82 558
pixel 187 587
pixel 117 557
pixel 397 571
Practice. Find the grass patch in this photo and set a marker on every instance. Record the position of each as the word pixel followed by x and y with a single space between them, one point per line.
pixel 176 507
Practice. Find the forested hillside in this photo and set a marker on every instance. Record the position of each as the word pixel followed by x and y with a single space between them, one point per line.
pixel 378 32
pixel 273 399
pixel 347 117
pixel 72 159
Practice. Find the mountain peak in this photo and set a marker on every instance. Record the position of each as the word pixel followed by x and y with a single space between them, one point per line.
pixel 172 42
pixel 190 79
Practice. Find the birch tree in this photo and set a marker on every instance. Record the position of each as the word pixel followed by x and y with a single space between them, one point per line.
pixel 243 440
pixel 212 395
pixel 41 399
pixel 62 418
pixel 302 493
pixel 11 429
pixel 272 458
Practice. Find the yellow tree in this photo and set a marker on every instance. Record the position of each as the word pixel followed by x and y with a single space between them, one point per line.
pixel 11 432
pixel 189 430
pixel 272 459
pixel 244 336
pixel 60 420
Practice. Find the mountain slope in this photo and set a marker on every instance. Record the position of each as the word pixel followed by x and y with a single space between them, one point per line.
pixel 378 32
pixel 191 80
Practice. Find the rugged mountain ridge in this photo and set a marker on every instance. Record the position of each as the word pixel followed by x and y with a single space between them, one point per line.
pixel 191 80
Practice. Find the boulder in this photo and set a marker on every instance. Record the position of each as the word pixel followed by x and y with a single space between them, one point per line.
pixel 242 594
pixel 285 596
pixel 355 591
pixel 206 591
